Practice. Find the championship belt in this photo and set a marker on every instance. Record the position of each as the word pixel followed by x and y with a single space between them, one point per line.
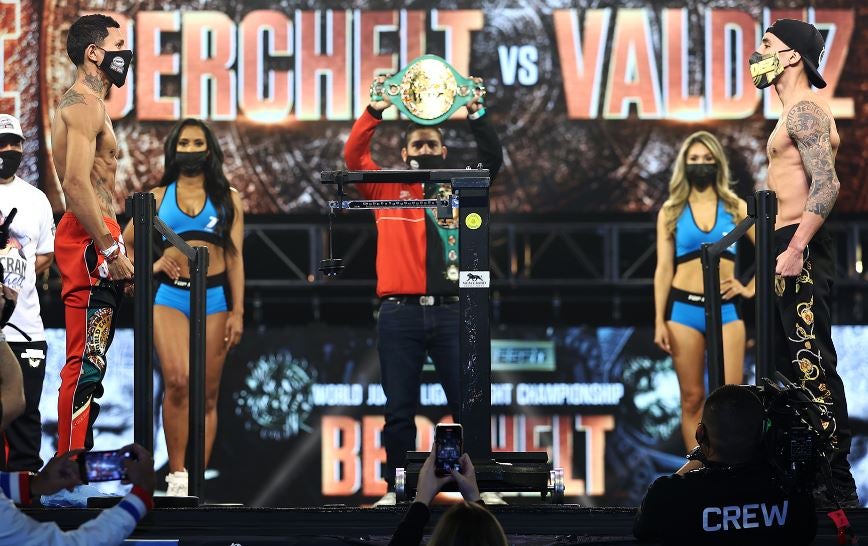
pixel 428 90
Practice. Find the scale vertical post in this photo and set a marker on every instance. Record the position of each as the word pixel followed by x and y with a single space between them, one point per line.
pixel 766 211
pixel 713 316
pixel 474 314
pixel 196 415
pixel 143 210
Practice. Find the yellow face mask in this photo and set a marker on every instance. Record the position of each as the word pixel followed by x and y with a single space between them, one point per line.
pixel 765 69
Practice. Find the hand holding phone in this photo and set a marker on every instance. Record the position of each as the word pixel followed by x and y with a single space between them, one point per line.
pixel 140 467
pixel 60 472
pixel 465 479
pixel 448 447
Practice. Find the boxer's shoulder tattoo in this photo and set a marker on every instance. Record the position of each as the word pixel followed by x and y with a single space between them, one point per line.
pixel 94 84
pixel 810 128
pixel 72 97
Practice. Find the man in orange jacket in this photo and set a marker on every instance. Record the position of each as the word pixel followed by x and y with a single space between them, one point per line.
pixel 417 274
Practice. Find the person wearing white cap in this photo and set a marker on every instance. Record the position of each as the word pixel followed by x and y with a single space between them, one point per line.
pixel 27 254
pixel 801 151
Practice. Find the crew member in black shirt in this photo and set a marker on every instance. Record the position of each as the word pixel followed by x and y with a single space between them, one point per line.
pixel 727 493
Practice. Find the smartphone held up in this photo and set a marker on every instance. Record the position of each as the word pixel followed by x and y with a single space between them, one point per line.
pixel 448 445
pixel 103 466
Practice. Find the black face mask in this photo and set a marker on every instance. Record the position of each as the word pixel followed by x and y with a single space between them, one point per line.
pixel 115 65
pixel 425 161
pixel 10 160
pixel 191 163
pixel 701 175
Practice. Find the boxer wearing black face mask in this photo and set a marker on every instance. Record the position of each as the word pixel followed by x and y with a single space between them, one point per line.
pixel 88 243
pixel 115 65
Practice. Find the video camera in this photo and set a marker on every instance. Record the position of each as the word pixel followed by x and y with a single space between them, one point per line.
pixel 798 433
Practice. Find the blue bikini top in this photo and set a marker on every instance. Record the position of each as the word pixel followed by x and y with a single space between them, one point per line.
pixel 201 227
pixel 689 238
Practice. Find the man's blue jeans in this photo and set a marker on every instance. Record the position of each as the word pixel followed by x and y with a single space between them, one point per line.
pixel 407 332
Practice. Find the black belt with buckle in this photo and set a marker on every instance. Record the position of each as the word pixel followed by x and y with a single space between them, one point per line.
pixel 425 301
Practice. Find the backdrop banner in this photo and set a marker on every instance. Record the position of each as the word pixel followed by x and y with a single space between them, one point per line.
pixel 591 103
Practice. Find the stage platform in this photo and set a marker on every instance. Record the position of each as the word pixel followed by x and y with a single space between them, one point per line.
pixel 526 525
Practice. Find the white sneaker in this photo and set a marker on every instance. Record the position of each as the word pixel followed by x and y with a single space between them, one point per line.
pixel 492 498
pixel 389 499
pixel 177 482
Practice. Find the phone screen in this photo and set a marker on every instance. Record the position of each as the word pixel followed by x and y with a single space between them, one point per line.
pixel 102 466
pixel 448 442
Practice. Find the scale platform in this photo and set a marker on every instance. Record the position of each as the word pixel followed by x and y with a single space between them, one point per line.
pixel 527 472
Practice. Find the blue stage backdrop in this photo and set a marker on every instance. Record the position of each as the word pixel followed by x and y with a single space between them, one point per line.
pixel 301 411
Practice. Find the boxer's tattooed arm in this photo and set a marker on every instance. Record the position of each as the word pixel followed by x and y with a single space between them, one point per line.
pixel 810 128
pixel 72 97
pixel 95 84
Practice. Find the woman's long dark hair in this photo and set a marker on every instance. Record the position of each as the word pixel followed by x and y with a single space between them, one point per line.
pixel 216 184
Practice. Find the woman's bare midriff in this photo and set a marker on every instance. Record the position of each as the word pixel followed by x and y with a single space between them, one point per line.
pixel 688 276
pixel 216 261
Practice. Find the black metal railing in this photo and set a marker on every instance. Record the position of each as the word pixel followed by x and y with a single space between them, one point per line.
pixel 143 211
pixel 762 208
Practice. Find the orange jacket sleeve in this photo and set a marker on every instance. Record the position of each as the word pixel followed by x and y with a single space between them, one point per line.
pixel 357 150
